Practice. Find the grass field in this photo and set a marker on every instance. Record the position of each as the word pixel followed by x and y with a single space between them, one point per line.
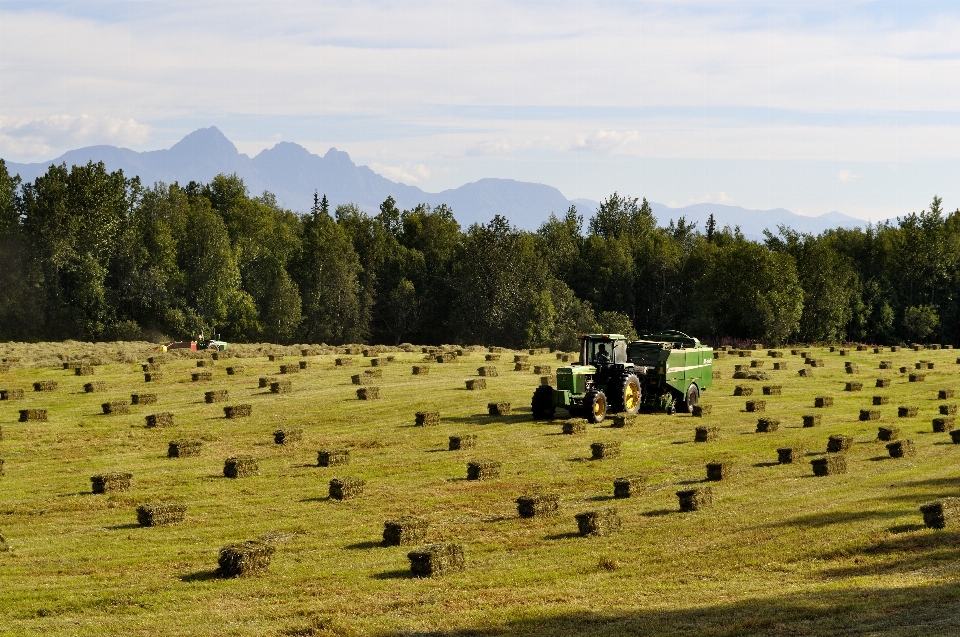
pixel 781 552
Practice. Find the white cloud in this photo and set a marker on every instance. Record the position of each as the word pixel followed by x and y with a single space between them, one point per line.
pixel 38 137
pixel 846 176
pixel 604 142
pixel 406 173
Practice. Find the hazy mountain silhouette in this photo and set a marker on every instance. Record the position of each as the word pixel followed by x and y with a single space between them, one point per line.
pixel 292 173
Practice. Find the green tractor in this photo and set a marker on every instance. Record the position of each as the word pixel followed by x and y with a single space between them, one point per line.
pixel 665 371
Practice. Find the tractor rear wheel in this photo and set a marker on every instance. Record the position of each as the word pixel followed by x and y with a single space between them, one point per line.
pixel 595 406
pixel 625 394
pixel 542 404
pixel 691 399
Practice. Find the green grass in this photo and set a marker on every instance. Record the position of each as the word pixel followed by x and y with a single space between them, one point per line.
pixel 781 552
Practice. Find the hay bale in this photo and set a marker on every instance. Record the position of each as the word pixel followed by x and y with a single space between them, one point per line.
pixel 110 482
pixel 205 363
pixel 115 408
pixel 843 352
pixel 743 390
pixel 948 410
pixel 575 426
pixel 94 387
pixel 498 409
pixel 695 499
pixel 745 353
pixel 447 357
pixel 699 411
pixel 152 377
pixel 548 380
pixel 37 415
pixel 281 387
pixel 566 358
pixel 216 396
pixel 427 418
pixel 941 513
pixel 45 385
pixel 773 390
pixel 199 377
pixel 901 448
pixel 304 364
pixel 476 383
pixel 361 379
pixel 287 436
pixel 706 434
pixel 852 368
pixel 805 373
pixel 521 358
pixel 775 353
pixel 886 365
pixel 237 411
pixel 436 559
pixel 955 436
pixel 780 366
pixel 463 441
pixel 538 505
pixel 812 420
pixel 830 465
pixel 767 425
pixel 368 393
pixel 160 513
pixel 881 400
pixel 878 350
pixel 543 370
pixel 333 457
pixel 483 469
pixel 274 358
pixel 894 348
pixel 883 383
pixel 240 467
pixel 491 358
pixel 343 362
pixel 521 367
pixel 903 370
pixel 83 370
pixel 162 419
pixel 184 448
pixel 719 470
pixel 823 401
pixel 421 370
pixel 625 487
pixel 886 434
pixel 943 425
pixel 404 531
pixel 488 370
pixel 289 369
pixel 945 394
pixel 623 421
pixel 245 559
pixel 757 364
pixel 853 387
pixel 602 450
pixel 869 414
pixel 790 455
pixel 917 378
pixel 158 359
pixel 143 399
pixel 756 405
pixel 598 523
pixel 346 488
pixel 907 412
pixel 13 394
pixel 839 443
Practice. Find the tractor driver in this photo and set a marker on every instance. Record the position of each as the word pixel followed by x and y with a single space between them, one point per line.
pixel 602 356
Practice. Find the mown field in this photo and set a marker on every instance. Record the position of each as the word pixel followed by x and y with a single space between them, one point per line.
pixel 781 552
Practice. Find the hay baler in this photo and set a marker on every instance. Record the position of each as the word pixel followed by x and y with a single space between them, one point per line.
pixel 660 371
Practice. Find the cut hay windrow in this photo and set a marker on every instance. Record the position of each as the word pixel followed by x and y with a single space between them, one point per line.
pixel 437 559
pixel 907 412
pixel 498 409
pixel 839 443
pixel 767 425
pixel 881 400
pixel 368 393
pixel 706 434
pixel 216 396
pixel 476 383
pixel 623 420
pixel 627 486
pixel 199 377
pixel 598 523
pixel 235 370
pixel 483 469
pixel 463 441
pixel 756 405
pixel 743 390
pixel 719 470
pixel 773 390
pixel 37 415
pixel 700 411
pixel 948 410
pixel 941 513
pixel 538 505
pixel 427 418
pixel 945 394
pixel 886 434
pixel 343 362
pixel 289 369
pixel 829 465
pixel 790 455
pixel 244 559
pixel 333 457
pixel 143 399
pixel 162 419
pixel 287 436
pixel 45 385
pixel 695 499
pixel 281 387
pixel 944 424
pixel 869 414
pixel 152 377
pixel 237 411
pixel 13 394
pixel 603 450
pixel 901 448
pixel 115 408
pixel 853 387
pixel 160 513
pixel 240 467
pixel 111 482
pixel 405 531
pixel 521 367
pixel 823 401
pixel 574 426
pixel 346 487
pixel 421 370
pixel 184 448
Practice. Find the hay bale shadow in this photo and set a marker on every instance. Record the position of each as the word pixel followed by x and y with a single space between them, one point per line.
pixel 656 513
pixel 600 498
pixel 766 464
pixel 122 527
pixel 200 576
pixel 316 498
pixel 906 528
pixel 359 546
pixel 396 574
pixel 879 458
pixel 562 536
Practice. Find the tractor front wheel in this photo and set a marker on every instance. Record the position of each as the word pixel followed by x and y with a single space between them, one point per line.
pixel 595 406
pixel 542 404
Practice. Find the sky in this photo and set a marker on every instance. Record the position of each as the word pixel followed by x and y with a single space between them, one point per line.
pixel 809 106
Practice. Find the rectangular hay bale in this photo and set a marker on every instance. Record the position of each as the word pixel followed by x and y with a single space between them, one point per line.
pixel 695 499
pixel 152 377
pixel 287 436
pixel 237 411
pixel 483 469
pixel 95 387
pixel 767 425
pixel 143 399
pixel 333 457
pixel 773 390
pixel 521 367
pixel 575 426
pixel 436 559
pixel 421 370
pixel 907 412
pixel 812 420
pixel 216 396
pixel 945 394
pixel 16 393
pixel 832 464
pixel 886 434
pixel 184 448
pixel 839 443
pixel 368 393
pixel 476 383
pixel 941 513
pixel 538 505
pixel 160 513
pixel 346 488
pixel 756 405
pixel 199 377
pixel 244 559
pixel 598 523
pixel 790 455
pixel 853 387
pixel 719 470
pixel 405 531
pixel 869 414
pixel 881 400
pixel 162 419
pixel 700 411
pixel 823 401
pixel 625 487
pixel 706 434
pixel 498 409
pixel 235 370
pixel 901 448
pixel 602 450
pixel 45 385
pixel 743 390
pixel 281 387
pixel 240 467
pixel 110 482
pixel 462 441
pixel 427 418
pixel 944 425
pixel 948 410
pixel 115 408
pixel 883 383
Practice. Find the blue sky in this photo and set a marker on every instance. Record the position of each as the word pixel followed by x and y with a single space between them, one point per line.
pixel 810 106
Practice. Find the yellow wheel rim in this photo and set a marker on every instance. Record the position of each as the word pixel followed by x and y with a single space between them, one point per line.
pixel 631 396
pixel 599 407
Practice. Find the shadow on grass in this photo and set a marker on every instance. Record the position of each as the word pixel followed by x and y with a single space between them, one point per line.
pixel 820 520
pixel 761 465
pixel 317 499
pixel 879 458
pixel 359 546
pixel 122 527
pixel 658 513
pixel 562 536
pixel 200 576
pixel 600 498
pixel 396 574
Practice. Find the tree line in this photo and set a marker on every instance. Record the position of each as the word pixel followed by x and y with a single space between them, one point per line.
pixel 93 255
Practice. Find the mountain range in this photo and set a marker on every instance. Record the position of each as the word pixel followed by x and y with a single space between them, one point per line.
pixel 292 173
